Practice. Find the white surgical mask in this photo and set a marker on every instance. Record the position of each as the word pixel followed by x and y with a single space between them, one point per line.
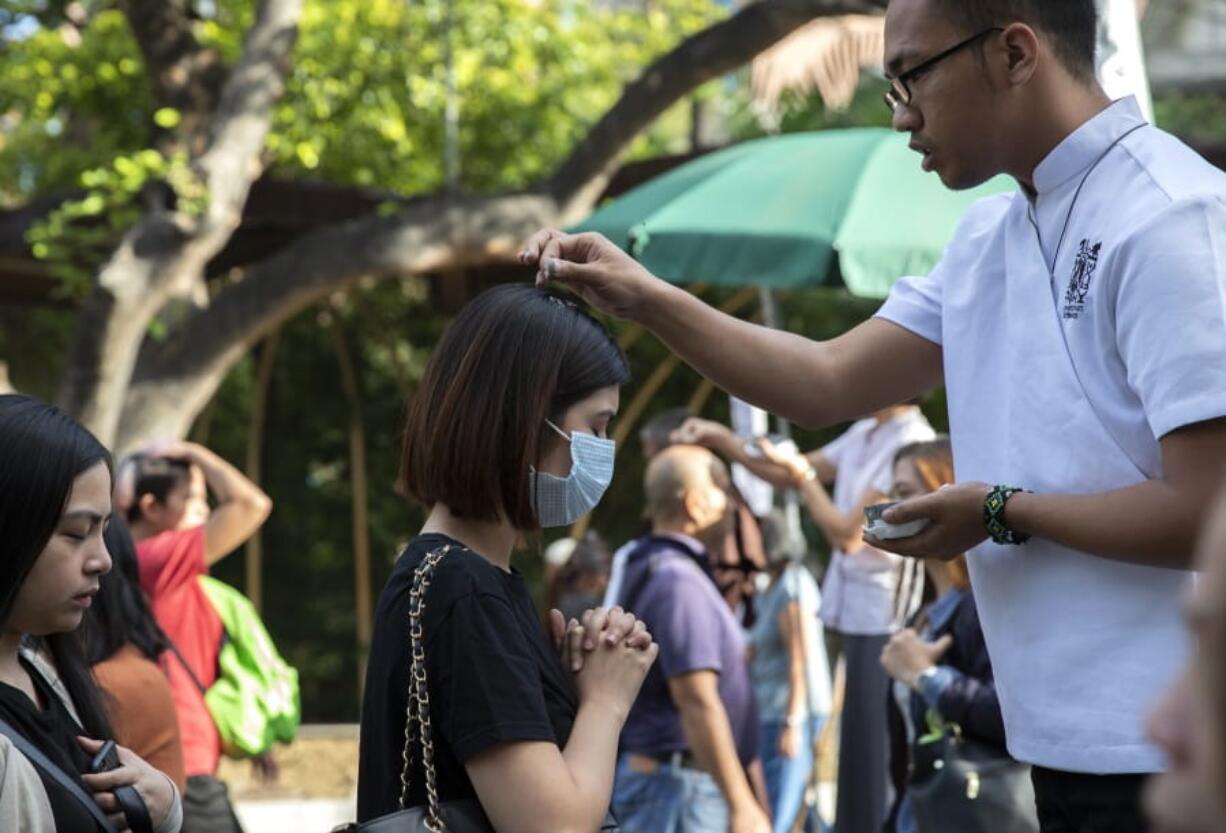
pixel 560 501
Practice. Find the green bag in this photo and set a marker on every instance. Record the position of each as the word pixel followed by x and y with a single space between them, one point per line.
pixel 255 701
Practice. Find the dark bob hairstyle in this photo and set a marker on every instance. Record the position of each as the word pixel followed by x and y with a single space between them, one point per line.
pixel 513 358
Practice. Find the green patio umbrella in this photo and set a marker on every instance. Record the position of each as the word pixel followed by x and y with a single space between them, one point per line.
pixel 805 209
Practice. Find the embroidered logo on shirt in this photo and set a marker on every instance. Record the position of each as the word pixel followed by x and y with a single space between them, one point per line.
pixel 1079 282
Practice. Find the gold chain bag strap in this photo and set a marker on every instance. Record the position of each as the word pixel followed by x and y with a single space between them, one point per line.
pixel 464 816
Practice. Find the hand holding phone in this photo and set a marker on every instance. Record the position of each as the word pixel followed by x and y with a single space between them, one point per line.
pixel 105 759
pixel 126 796
pixel 880 529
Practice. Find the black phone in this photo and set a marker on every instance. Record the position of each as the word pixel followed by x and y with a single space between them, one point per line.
pixel 105 759
pixel 777 440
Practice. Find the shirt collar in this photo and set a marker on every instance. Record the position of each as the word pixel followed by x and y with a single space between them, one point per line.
pixel 678 543
pixel 1082 148
pixel 692 544
pixel 900 420
pixel 943 609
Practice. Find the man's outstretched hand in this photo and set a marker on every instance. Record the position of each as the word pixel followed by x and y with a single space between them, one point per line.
pixel 599 272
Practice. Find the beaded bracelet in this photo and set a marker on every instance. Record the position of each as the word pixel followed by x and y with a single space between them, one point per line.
pixel 994 516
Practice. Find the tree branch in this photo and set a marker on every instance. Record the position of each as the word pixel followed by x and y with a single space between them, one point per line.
pixel 709 54
pixel 243 115
pixel 165 254
pixel 430 234
pixel 173 380
pixel 435 231
pixel 184 75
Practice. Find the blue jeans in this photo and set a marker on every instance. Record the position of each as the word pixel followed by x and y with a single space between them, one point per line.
pixel 787 778
pixel 670 799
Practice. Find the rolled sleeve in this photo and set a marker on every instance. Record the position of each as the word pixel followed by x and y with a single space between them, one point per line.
pixel 915 305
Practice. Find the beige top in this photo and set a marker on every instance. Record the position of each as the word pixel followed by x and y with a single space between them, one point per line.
pixel 23 801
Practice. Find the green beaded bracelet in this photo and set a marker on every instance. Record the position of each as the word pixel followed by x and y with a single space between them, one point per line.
pixel 994 516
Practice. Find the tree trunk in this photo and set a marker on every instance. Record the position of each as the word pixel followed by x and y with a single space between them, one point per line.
pixel 165 254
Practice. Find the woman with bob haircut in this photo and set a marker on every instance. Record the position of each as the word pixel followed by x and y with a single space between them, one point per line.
pixel 507 434
pixel 55 502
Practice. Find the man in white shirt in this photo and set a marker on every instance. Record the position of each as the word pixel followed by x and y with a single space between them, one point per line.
pixel 861 588
pixel 1080 330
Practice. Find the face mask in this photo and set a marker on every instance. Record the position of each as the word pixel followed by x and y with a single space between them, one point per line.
pixel 560 501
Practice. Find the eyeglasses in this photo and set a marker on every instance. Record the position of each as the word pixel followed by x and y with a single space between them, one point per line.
pixel 899 94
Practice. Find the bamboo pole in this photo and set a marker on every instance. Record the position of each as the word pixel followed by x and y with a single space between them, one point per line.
pixel 358 475
pixel 254 554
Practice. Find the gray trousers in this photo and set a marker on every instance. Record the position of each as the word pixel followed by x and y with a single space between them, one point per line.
pixel 863 794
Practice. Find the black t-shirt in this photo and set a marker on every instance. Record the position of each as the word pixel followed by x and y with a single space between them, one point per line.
pixel 492 671
pixel 54 732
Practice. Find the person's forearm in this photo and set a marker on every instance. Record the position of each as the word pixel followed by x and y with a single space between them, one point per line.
pixel 784 373
pixel 591 757
pixel 842 532
pixel 709 735
pixel 797 689
pixel 225 481
pixel 1151 523
pixel 793 634
pixel 732 447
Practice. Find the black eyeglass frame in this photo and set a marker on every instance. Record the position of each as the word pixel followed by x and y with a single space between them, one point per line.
pixel 899 93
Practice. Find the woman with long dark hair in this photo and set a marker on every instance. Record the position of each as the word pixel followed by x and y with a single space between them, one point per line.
pixel 507 434
pixel 128 652
pixel 940 662
pixel 55 501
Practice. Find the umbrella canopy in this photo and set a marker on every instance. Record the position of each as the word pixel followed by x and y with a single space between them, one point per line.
pixel 803 209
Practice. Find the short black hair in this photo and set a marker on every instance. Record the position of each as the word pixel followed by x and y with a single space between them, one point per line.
pixel 659 429
pixel 1071 25
pixel 157 476
pixel 514 357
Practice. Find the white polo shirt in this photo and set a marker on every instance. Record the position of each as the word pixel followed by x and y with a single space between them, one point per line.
pixel 860 588
pixel 1081 646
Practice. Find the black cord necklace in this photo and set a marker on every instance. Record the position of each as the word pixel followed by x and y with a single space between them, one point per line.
pixel 1030 212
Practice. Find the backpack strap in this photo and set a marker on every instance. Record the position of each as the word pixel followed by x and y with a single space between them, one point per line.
pixel 174 649
pixel 35 756
pixel 631 593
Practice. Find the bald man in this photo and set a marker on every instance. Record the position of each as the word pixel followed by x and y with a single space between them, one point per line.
pixel 692 733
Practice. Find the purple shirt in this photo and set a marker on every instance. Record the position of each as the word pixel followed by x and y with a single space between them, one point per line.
pixel 668 584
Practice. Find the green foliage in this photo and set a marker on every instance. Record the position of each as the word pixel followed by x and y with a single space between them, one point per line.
pixel 68 107
pixel 367 97
pixel 1192 116
pixel 365 102
pixel 366 93
pixel 78 236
